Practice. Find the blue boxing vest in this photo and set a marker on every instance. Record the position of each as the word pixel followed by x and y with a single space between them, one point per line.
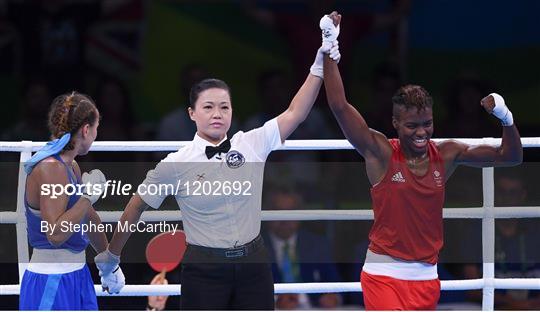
pixel 77 242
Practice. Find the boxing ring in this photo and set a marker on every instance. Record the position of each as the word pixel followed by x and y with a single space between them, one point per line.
pixel 488 213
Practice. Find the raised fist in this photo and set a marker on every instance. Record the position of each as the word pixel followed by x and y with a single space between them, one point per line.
pixel 494 104
pixel 329 25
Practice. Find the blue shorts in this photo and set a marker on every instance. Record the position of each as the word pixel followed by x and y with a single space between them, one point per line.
pixel 69 291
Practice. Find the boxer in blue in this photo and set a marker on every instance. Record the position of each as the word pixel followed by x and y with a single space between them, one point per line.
pixel 57 277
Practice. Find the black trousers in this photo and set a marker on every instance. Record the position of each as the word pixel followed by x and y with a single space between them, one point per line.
pixel 213 282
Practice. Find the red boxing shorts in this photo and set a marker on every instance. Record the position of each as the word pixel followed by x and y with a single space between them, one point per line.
pixel 387 293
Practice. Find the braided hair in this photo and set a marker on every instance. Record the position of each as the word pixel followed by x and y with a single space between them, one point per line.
pixel 68 113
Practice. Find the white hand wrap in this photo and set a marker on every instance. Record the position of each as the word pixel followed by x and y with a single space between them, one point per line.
pixel 334 51
pixel 501 111
pixel 106 262
pixel 330 32
pixel 317 67
pixel 113 282
pixel 94 185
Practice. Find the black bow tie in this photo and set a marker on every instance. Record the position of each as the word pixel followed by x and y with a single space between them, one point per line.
pixel 221 148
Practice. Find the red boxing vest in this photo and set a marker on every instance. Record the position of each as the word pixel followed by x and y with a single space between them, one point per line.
pixel 408 209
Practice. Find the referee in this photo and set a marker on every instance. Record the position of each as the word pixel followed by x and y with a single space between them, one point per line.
pixel 219 193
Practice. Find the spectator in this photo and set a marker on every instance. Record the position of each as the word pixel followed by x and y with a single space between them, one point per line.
pixel 516 250
pixel 298 256
pixel 176 125
pixel 53 38
pixel 36 99
pixel 114 103
pixel 118 123
pixel 274 89
pixel 464 94
pixel 385 80
pixel 157 303
pixel 295 20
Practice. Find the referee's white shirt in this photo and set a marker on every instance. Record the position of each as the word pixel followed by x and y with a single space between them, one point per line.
pixel 214 217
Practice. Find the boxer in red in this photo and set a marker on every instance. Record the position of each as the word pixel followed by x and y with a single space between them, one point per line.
pixel 408 176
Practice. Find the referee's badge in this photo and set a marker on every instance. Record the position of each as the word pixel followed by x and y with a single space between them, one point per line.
pixel 235 159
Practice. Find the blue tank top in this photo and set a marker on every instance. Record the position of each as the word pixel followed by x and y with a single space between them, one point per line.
pixel 77 242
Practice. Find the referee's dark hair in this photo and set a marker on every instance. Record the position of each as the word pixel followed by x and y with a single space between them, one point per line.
pixel 204 85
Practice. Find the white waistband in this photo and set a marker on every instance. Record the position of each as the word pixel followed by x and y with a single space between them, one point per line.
pixel 35 212
pixel 377 264
pixel 56 261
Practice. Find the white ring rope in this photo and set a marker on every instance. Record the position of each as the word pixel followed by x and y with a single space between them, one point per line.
pixel 163 146
pixel 314 215
pixel 307 288
pixel 486 213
